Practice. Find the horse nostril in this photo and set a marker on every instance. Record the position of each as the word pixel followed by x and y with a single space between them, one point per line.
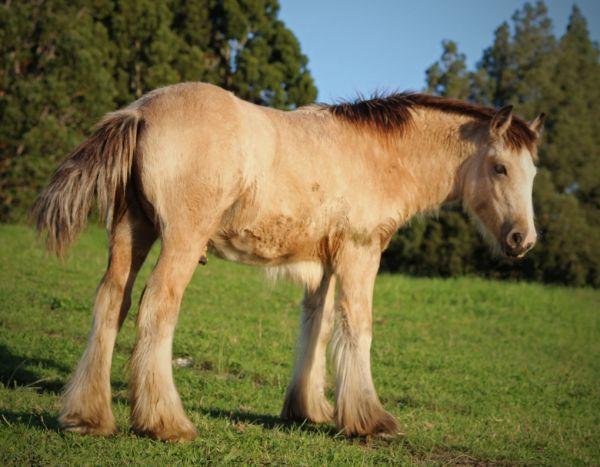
pixel 517 238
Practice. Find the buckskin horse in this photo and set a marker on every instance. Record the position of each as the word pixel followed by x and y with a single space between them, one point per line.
pixel 314 194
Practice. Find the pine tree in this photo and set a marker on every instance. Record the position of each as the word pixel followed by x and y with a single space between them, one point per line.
pixel 257 56
pixel 55 81
pixel 518 69
pixel 572 151
pixel 65 63
pixel 496 75
pixel 449 76
pixel 145 47
pixel 570 161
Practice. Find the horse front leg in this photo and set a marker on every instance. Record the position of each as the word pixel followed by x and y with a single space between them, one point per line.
pixel 305 398
pixel 357 407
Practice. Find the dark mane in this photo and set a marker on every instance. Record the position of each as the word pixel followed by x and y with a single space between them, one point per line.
pixel 393 112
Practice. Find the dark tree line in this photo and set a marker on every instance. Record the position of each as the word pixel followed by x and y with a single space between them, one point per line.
pixel 536 72
pixel 63 64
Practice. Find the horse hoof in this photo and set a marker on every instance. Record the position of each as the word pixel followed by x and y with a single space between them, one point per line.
pixel 381 425
pixel 176 434
pixel 87 428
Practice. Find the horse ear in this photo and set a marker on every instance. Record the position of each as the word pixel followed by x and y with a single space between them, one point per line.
pixel 537 124
pixel 501 121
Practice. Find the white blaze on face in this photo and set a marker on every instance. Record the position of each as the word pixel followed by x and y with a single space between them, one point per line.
pixel 525 190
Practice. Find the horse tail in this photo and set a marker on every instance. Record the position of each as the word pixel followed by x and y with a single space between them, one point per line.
pixel 100 168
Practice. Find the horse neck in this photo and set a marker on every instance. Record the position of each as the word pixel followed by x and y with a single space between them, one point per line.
pixel 432 151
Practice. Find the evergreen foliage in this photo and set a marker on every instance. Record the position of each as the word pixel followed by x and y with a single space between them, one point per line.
pixel 63 64
pixel 528 67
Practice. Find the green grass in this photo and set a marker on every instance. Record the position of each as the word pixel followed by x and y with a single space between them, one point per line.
pixel 475 371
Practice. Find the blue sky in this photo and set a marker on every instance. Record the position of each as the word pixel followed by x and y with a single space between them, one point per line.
pixel 363 45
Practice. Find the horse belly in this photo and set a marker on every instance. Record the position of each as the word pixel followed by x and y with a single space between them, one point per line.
pixel 277 240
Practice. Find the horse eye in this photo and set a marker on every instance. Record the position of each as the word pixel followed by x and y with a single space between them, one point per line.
pixel 500 169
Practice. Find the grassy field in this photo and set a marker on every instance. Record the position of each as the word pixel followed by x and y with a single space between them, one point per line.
pixel 475 371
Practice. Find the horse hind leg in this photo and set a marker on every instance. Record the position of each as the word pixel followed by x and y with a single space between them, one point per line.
pixel 156 408
pixel 86 401
pixel 305 398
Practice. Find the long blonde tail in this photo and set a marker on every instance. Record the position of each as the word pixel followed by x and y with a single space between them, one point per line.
pixel 99 167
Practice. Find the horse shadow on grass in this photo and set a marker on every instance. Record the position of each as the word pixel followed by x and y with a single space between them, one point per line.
pixel 17 371
pixel 439 454
pixel 270 422
pixel 20 372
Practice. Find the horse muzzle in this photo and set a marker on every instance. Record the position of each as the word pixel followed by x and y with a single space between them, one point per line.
pixel 516 243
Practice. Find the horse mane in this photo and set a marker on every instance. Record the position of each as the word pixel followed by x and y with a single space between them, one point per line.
pixel 385 113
